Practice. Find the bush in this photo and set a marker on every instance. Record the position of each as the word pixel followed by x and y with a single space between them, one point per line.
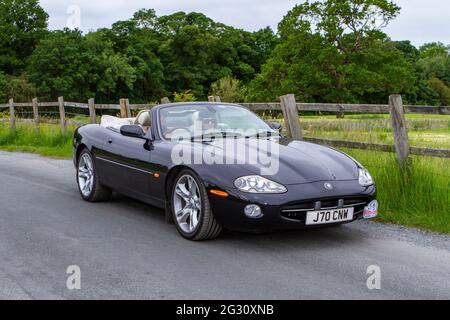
pixel 20 89
pixel 186 96
pixel 228 89
pixel 441 89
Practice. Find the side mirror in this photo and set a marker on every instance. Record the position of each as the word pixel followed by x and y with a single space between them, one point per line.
pixel 275 126
pixel 134 131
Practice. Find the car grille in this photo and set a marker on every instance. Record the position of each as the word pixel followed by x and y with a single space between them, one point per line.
pixel 297 212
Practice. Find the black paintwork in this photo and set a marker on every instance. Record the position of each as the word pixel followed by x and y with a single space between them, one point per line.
pixel 127 164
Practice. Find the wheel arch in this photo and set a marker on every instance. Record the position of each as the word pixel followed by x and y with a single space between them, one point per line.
pixel 170 179
pixel 78 151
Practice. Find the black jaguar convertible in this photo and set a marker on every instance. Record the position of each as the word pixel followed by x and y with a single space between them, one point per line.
pixel 216 165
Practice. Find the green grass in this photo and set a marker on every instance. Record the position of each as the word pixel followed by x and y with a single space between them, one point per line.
pixel 47 141
pixel 419 197
pixel 431 131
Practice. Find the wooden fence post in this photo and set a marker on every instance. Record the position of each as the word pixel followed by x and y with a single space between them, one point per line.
pixel 165 100
pixel 12 118
pixel 291 118
pixel 35 112
pixel 340 114
pixel 399 128
pixel 127 107
pixel 62 115
pixel 123 108
pixel 92 115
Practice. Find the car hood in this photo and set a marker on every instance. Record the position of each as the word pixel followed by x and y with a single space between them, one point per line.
pixel 298 162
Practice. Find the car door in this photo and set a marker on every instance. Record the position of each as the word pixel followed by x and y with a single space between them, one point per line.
pixel 125 164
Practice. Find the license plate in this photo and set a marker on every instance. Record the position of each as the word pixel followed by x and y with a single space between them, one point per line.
pixel 329 216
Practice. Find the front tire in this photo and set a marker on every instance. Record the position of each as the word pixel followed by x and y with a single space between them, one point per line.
pixel 89 185
pixel 191 210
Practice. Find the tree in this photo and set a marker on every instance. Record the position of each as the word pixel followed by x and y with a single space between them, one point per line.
pixel 334 51
pixel 442 90
pixel 197 51
pixel 228 89
pixel 435 62
pixel 434 49
pixel 22 24
pixel 420 93
pixel 138 40
pixel 20 88
pixel 67 64
pixel 189 52
pixel 60 65
pixel 3 96
pixel 112 75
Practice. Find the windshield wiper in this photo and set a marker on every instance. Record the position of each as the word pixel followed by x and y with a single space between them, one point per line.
pixel 211 137
pixel 264 134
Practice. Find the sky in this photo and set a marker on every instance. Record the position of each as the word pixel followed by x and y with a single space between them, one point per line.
pixel 420 21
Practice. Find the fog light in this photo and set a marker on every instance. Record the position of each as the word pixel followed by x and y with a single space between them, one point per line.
pixel 253 211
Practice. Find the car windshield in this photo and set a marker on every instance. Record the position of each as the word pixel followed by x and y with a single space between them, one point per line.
pixel 205 121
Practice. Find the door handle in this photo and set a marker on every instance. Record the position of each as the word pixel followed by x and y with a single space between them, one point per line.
pixel 110 140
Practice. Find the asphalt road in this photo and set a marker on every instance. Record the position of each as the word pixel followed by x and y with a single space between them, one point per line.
pixel 125 250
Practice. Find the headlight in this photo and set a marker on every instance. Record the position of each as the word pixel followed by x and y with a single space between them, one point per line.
pixel 258 184
pixel 365 179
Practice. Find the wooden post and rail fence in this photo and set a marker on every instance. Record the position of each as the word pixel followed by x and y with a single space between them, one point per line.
pixel 292 121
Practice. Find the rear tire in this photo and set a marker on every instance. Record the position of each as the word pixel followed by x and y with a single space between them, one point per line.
pixel 191 210
pixel 89 185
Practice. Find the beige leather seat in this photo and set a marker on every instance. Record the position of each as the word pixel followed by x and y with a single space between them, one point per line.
pixel 144 120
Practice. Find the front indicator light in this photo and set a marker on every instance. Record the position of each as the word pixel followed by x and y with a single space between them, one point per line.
pixel 219 193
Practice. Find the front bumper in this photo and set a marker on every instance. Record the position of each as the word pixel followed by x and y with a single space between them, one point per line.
pixel 288 211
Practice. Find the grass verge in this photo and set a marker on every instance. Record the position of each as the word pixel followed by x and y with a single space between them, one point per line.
pixel 419 197
pixel 47 141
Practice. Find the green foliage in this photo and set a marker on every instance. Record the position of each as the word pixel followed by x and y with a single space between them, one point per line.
pixel 334 52
pixel 3 94
pixel 228 89
pixel 67 64
pixel 325 51
pixel 435 62
pixel 20 88
pixel 197 51
pixel 434 49
pixel 186 96
pixel 147 57
pixel 22 24
pixel 441 89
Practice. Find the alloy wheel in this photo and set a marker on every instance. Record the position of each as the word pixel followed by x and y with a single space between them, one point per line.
pixel 86 175
pixel 187 203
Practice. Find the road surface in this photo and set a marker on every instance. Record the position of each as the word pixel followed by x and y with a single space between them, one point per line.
pixel 125 250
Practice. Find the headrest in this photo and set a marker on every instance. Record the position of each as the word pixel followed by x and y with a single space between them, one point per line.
pixel 144 119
